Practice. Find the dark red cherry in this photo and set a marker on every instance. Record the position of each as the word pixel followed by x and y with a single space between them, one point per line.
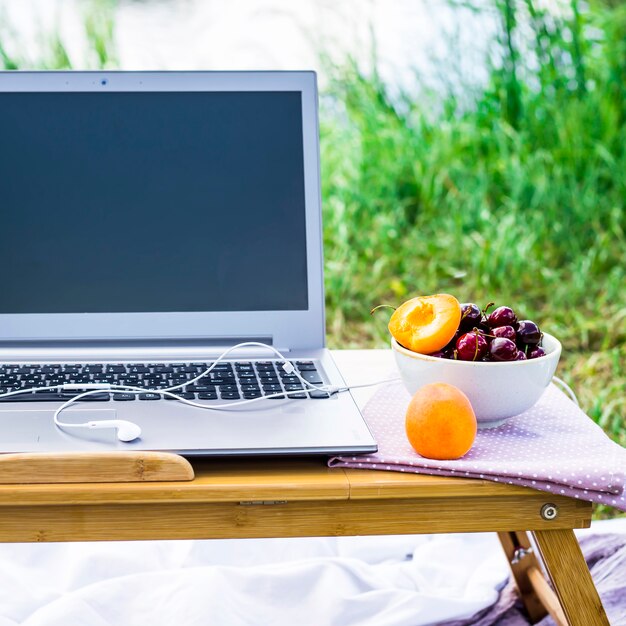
pixel 483 326
pixel 471 346
pixel 528 333
pixel 451 345
pixel 507 332
pixel 536 353
pixel 520 356
pixel 502 349
pixel 502 316
pixel 440 354
pixel 470 316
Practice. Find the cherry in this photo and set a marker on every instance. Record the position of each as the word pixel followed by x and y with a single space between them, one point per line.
pixel 470 316
pixel 520 356
pixel 483 326
pixel 440 354
pixel 502 349
pixel 508 332
pixel 451 345
pixel 502 316
pixel 536 353
pixel 471 346
pixel 528 333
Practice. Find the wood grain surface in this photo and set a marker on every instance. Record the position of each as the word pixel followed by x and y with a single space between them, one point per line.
pixel 512 543
pixel 566 567
pixel 96 467
pixel 279 518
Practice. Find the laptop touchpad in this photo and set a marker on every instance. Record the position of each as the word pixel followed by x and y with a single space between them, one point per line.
pixel 33 427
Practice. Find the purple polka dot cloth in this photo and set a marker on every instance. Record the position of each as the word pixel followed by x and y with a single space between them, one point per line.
pixel 553 447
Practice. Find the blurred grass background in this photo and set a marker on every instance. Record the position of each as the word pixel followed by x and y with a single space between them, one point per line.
pixel 511 191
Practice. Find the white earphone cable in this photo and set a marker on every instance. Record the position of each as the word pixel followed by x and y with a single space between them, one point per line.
pixel 94 388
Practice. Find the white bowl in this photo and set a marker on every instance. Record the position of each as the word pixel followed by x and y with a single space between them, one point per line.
pixel 497 391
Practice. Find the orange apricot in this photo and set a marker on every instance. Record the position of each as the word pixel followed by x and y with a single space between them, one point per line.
pixel 427 323
pixel 440 422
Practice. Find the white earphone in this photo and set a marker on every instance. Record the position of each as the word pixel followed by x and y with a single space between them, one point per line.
pixel 126 431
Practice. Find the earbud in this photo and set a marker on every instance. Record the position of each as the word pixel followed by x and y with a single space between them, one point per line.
pixel 126 431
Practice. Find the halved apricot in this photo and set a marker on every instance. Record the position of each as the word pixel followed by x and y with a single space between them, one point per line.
pixel 427 323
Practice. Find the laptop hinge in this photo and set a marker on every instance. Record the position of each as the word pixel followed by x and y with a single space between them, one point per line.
pixel 124 349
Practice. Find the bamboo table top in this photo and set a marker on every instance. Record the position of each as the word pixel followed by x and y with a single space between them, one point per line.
pixel 442 504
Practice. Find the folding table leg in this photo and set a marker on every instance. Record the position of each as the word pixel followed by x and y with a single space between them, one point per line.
pixel 566 567
pixel 522 560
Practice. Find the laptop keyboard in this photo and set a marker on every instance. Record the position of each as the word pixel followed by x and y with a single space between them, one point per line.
pixel 229 380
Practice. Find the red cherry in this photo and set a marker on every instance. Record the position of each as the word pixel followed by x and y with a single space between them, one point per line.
pixel 502 316
pixel 471 346
pixel 502 349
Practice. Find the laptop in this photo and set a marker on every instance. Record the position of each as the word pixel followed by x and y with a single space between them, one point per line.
pixel 151 220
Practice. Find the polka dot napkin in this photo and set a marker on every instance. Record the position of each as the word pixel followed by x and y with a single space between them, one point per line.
pixel 552 447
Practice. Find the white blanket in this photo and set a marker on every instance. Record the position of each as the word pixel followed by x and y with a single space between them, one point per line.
pixel 366 581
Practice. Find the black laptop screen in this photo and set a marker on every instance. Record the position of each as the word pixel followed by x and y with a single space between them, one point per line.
pixel 139 202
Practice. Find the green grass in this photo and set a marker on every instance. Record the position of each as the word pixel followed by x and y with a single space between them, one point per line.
pixel 514 194
pixel 512 191
pixel 516 197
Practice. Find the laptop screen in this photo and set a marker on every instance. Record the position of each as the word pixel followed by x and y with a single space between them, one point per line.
pixel 152 202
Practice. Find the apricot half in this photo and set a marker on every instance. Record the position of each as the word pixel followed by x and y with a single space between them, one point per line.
pixel 427 323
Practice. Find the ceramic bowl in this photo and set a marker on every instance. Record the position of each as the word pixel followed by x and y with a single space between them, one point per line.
pixel 497 391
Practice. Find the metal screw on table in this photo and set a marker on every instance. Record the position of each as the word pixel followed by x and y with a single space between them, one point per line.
pixel 549 512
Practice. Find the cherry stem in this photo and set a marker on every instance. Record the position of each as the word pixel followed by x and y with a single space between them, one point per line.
pixel 475 344
pixel 488 307
pixel 380 306
pixel 483 333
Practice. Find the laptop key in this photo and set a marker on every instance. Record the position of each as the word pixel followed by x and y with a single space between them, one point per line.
pixel 312 377
pixel 123 397
pixel 230 395
pixel 186 395
pixel 207 395
pixel 319 395
pixel 94 397
pixel 290 380
pixel 33 397
pixel 280 397
pixel 267 374
pixel 201 388
pixel 150 396
pixel 297 396
pixel 305 366
pixel 272 388
pixel 250 395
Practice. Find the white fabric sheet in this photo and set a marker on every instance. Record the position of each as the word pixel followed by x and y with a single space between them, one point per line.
pixel 349 581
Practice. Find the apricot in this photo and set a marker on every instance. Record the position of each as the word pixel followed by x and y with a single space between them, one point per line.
pixel 427 323
pixel 440 422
